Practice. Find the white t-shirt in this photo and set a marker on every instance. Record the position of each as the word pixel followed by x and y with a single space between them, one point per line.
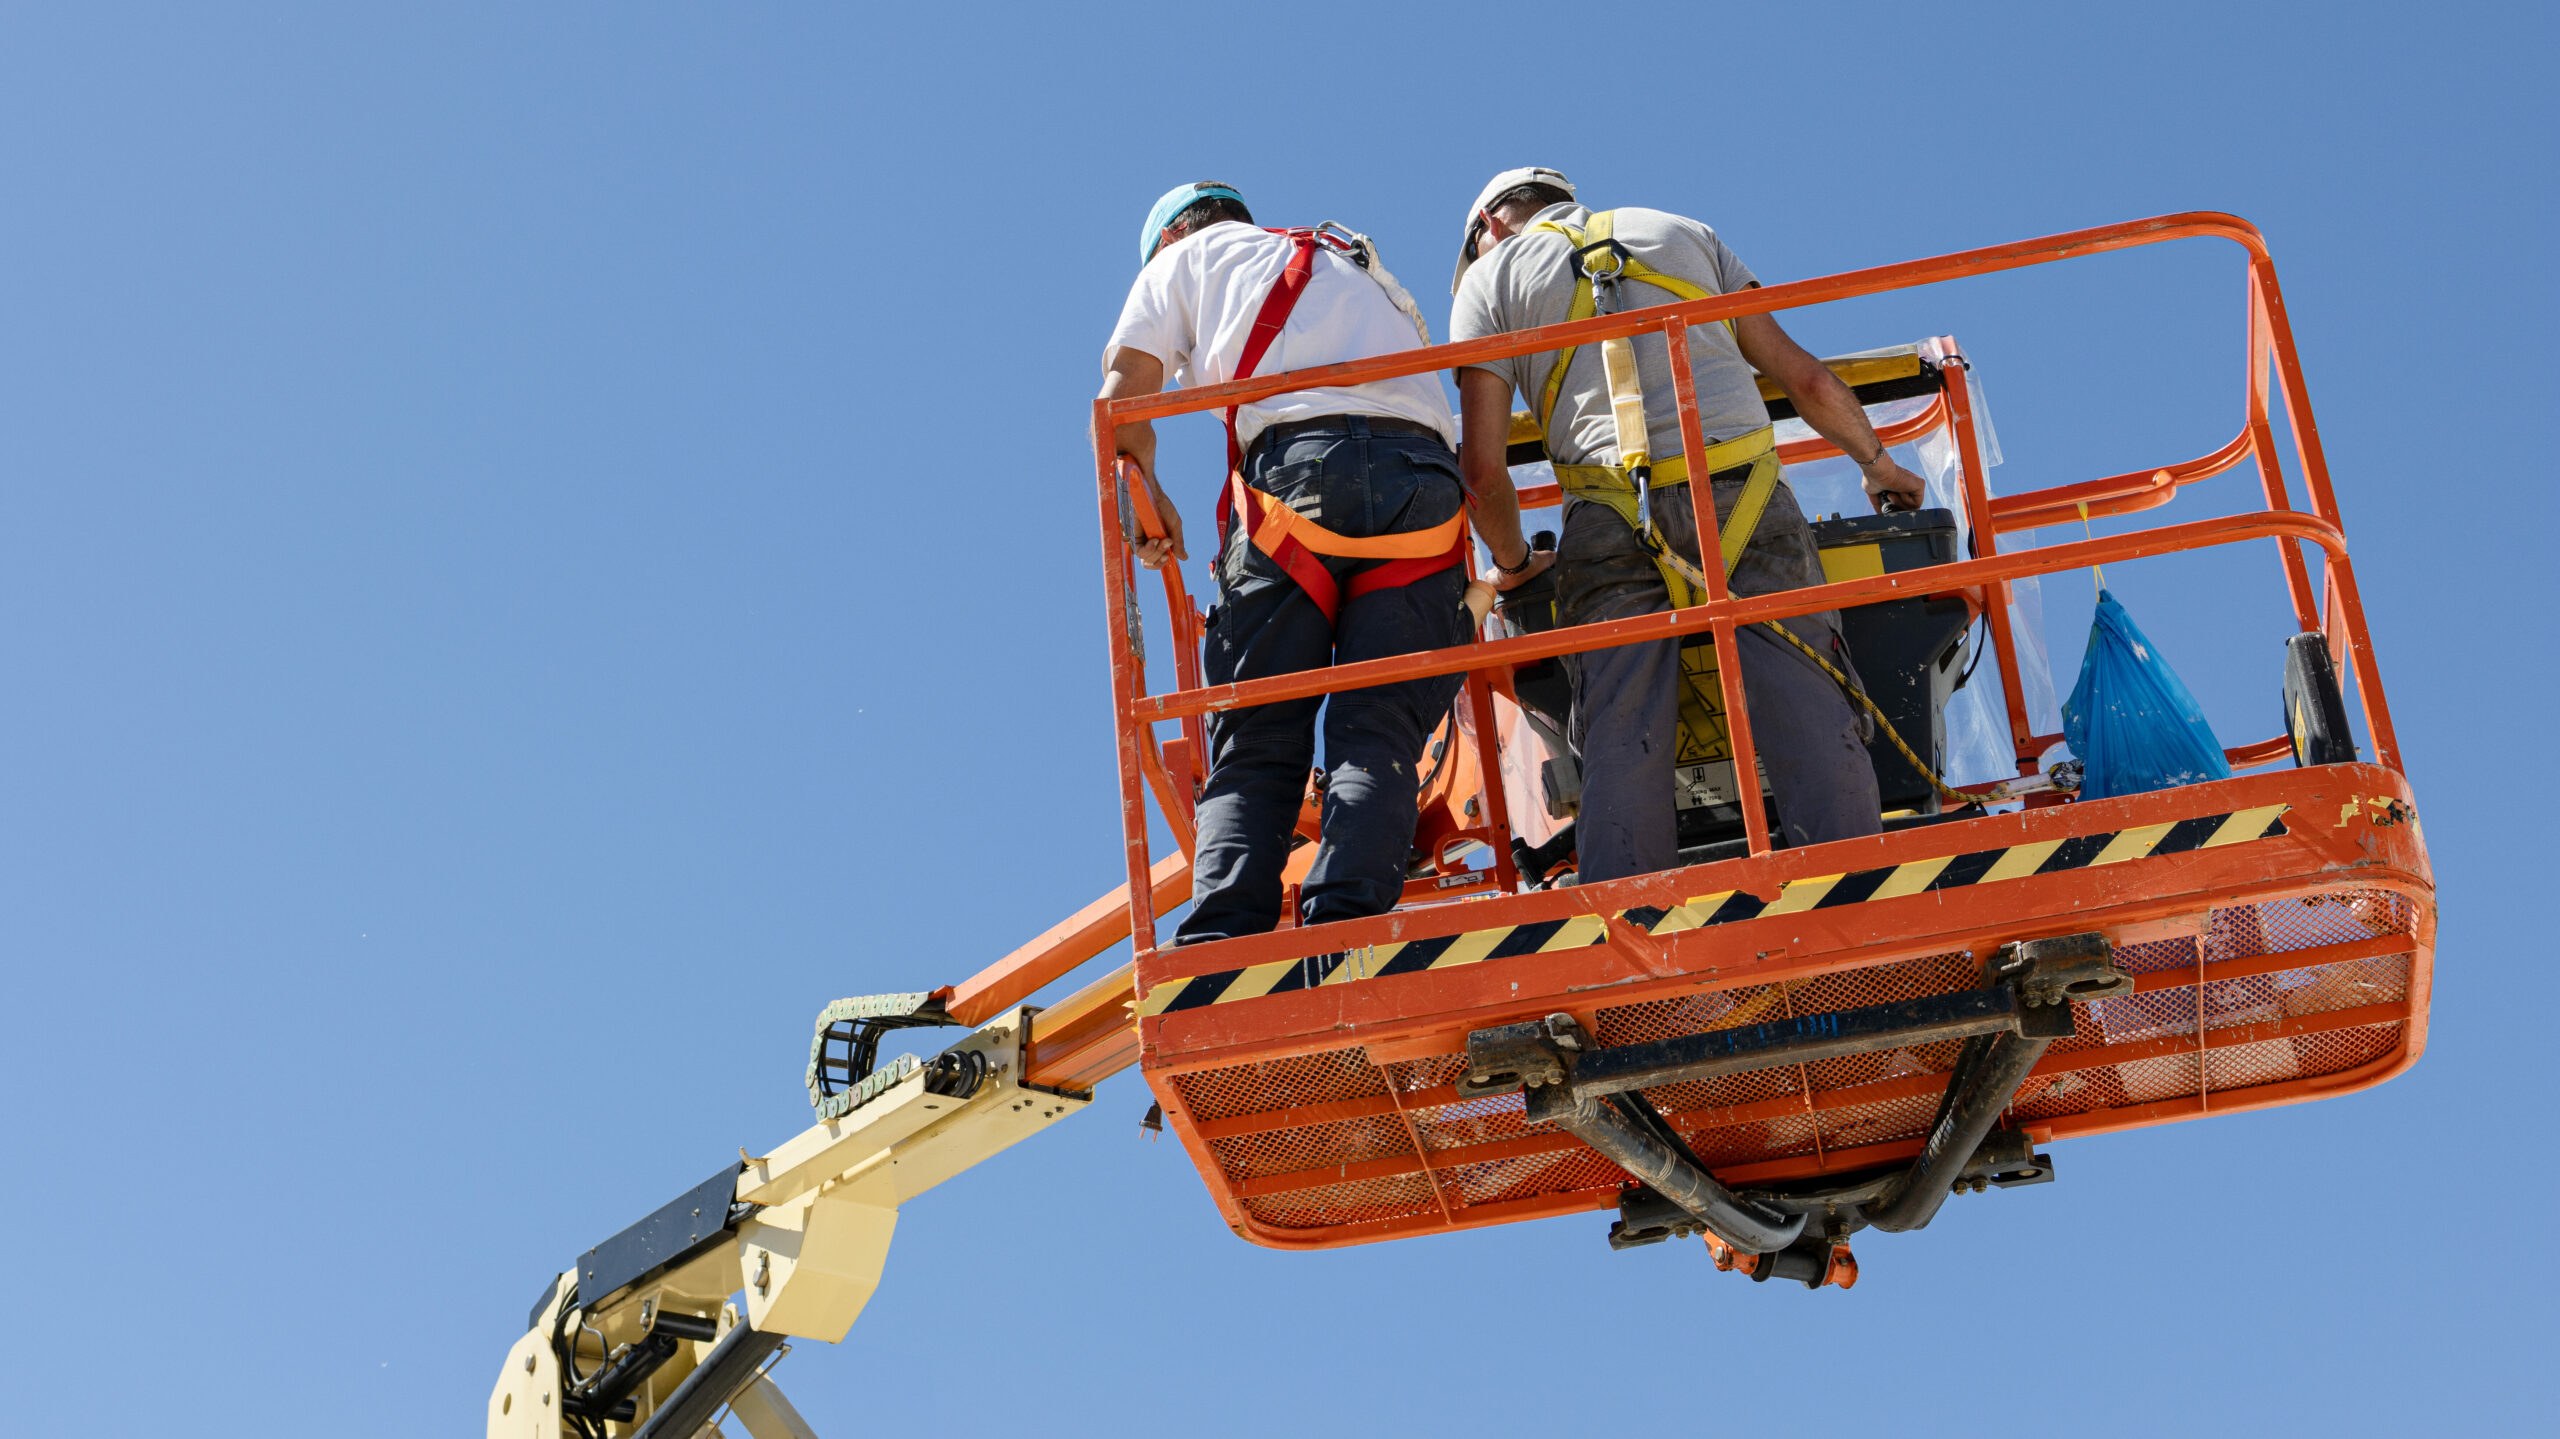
pixel 1195 302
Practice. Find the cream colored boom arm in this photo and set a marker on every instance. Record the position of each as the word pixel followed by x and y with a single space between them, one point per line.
pixel 801 1237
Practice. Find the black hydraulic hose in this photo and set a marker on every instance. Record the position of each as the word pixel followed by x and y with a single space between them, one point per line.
pixel 713 1383
pixel 1633 1147
pixel 637 1362
pixel 1976 662
pixel 564 1351
pixel 1635 1106
pixel 1440 756
pixel 1987 1077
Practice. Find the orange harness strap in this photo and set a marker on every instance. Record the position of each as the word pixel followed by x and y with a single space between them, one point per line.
pixel 1291 539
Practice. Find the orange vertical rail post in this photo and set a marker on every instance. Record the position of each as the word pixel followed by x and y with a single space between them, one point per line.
pixel 1702 499
pixel 1986 543
pixel 2333 622
pixel 2324 503
pixel 1126 681
pixel 2262 445
pixel 1183 620
pixel 1497 803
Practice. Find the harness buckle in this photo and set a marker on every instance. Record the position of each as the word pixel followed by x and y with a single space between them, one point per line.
pixel 1606 278
pixel 1618 254
pixel 1350 244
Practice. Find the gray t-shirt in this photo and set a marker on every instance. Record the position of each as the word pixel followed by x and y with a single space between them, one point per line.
pixel 1527 281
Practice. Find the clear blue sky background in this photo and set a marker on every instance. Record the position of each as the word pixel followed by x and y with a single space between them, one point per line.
pixel 541 544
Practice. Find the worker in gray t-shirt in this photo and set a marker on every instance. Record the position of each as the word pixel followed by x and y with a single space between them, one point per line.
pixel 1515 272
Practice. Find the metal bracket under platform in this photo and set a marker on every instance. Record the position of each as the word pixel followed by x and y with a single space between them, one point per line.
pixel 1597 1095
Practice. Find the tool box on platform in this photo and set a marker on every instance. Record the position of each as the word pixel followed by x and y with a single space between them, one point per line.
pixel 1910 653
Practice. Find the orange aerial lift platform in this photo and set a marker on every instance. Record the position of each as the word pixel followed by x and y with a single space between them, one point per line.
pixel 1770 1048
pixel 1829 1035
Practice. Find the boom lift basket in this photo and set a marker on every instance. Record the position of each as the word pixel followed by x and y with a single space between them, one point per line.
pixel 1811 1030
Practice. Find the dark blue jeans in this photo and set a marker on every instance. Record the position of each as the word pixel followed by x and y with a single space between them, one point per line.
pixel 1355 483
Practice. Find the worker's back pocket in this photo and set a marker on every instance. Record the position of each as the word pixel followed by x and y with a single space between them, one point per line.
pixel 1363 487
pixel 1416 484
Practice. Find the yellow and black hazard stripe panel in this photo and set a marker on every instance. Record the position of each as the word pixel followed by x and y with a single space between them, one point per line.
pixel 1796 896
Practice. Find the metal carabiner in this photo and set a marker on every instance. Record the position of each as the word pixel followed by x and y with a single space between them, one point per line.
pixel 1606 279
pixel 1350 244
pixel 1619 255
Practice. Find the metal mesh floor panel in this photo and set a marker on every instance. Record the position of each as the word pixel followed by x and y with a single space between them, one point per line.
pixel 1399 1144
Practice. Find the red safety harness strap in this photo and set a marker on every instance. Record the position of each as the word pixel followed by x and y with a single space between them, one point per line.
pixel 1267 324
pixel 1296 559
pixel 1293 557
pixel 1404 572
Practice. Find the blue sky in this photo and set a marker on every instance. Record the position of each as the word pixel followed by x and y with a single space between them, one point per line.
pixel 539 545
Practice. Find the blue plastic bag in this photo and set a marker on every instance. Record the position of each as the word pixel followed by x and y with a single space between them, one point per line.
pixel 2130 720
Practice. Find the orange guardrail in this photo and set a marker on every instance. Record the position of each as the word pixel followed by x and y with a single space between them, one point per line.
pixel 2271 351
pixel 1081 1039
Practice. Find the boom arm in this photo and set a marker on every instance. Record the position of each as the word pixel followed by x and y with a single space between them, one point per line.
pixel 642 1338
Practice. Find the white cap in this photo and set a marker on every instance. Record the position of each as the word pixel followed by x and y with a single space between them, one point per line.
pixel 1507 180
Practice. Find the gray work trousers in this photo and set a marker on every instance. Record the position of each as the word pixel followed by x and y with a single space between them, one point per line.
pixel 1626 701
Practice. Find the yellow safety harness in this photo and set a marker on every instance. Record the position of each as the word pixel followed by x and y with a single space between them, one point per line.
pixel 1601 263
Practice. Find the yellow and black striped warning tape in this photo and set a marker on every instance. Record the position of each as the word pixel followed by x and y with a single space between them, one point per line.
pixel 1796 896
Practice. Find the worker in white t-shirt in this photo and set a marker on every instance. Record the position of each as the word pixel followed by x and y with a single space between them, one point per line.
pixel 1313 472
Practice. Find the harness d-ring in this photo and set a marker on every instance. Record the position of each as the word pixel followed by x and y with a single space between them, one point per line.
pixel 1342 241
pixel 1618 253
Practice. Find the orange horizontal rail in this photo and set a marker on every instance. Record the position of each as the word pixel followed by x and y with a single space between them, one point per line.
pixel 2265 751
pixel 2247 756
pixel 1068 943
pixel 2119 494
pixel 1793 452
pixel 1746 609
pixel 1791 295
pixel 1819 941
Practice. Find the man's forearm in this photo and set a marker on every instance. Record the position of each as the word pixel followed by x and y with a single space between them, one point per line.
pixel 1134 372
pixel 1494 510
pixel 1484 408
pixel 1829 406
pixel 1129 373
pixel 1832 409
pixel 1138 442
